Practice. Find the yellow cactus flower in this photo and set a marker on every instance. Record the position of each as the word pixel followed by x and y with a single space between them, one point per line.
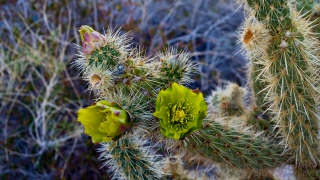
pixel 180 111
pixel 104 121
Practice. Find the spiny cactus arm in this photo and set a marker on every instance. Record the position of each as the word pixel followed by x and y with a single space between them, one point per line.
pixel 275 14
pixel 261 121
pixel 131 158
pixel 254 38
pixel 223 144
pixel 228 101
pixel 137 74
pixel 257 85
pixel 289 68
pixel 223 103
pixel 175 67
pixel 311 9
pixel 259 116
pixel 103 51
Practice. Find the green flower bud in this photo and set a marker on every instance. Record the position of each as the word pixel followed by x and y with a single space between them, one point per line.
pixel 104 121
pixel 180 111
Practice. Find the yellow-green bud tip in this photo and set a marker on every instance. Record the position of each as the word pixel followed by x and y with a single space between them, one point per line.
pixel 85 29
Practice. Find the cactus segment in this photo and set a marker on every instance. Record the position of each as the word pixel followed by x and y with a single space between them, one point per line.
pixel 131 158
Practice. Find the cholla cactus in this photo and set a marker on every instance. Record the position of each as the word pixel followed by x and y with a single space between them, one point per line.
pixel 312 9
pixel 151 107
pixel 175 67
pixel 155 108
pixel 289 70
pixel 131 158
pixel 228 101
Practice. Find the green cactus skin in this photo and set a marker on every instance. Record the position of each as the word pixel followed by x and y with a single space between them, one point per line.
pixel 172 71
pixel 257 84
pixel 259 116
pixel 311 8
pixel 274 13
pixel 292 86
pixel 106 57
pixel 175 67
pixel 260 121
pixel 224 144
pixel 136 74
pixel 130 158
pixel 306 5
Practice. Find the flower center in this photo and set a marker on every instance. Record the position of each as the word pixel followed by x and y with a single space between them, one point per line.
pixel 178 114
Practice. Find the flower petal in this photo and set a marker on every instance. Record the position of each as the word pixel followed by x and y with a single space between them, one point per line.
pixel 104 121
pixel 95 135
pixel 91 116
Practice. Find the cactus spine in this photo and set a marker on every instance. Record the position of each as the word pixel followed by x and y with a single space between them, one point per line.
pixel 312 9
pixel 224 144
pixel 228 101
pixel 130 158
pixel 284 83
pixel 289 62
pixel 132 82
